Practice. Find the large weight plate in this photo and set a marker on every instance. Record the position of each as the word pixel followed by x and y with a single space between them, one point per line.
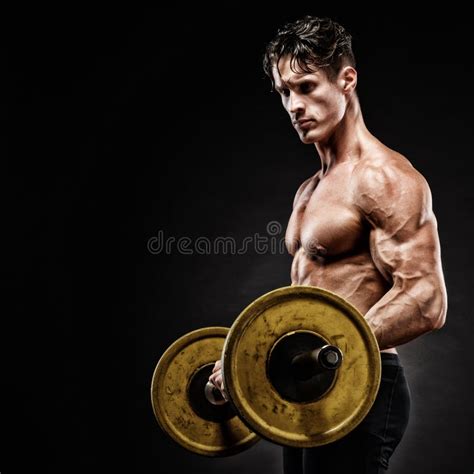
pixel 179 403
pixel 245 362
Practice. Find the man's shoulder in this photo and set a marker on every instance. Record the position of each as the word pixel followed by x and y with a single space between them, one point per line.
pixel 385 169
pixel 307 182
pixel 387 183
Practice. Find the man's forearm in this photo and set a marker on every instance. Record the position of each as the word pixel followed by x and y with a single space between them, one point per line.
pixel 402 315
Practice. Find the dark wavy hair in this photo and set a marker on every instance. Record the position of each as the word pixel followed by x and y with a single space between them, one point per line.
pixel 311 42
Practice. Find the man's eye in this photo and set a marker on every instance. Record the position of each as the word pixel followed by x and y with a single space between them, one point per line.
pixel 306 87
pixel 285 92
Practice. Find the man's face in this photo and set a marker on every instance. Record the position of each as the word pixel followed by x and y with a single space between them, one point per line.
pixel 315 104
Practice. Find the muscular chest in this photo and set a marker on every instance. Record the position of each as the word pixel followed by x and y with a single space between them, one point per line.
pixel 324 221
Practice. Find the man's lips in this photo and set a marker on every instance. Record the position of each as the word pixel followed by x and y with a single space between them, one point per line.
pixel 302 123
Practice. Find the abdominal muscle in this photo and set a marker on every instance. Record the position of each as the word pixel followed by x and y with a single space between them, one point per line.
pixel 355 278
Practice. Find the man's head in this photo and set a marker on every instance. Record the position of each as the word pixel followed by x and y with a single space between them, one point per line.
pixel 311 42
pixel 311 64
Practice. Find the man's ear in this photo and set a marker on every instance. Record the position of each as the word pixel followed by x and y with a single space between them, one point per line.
pixel 347 79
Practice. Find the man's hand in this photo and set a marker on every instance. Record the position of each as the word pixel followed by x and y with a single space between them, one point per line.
pixel 217 380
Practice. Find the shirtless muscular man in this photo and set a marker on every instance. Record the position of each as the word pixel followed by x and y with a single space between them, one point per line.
pixel 362 227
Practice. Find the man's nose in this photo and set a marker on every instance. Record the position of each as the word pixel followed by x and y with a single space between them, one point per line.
pixel 296 103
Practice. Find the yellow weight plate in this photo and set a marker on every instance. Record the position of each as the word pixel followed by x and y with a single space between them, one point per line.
pixel 343 403
pixel 179 403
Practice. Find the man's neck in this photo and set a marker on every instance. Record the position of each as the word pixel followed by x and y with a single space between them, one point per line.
pixel 348 140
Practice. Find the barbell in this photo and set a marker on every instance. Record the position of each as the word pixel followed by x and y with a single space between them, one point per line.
pixel 301 368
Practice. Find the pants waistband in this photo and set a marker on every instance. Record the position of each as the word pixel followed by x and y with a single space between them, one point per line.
pixel 390 359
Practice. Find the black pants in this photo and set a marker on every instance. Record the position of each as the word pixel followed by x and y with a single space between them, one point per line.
pixel 366 449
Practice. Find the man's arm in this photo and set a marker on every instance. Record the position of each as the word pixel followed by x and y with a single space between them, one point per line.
pixel 404 243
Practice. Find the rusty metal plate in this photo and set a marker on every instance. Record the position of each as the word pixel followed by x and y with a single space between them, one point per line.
pixel 341 404
pixel 179 402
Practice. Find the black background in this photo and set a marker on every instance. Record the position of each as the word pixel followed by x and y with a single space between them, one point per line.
pixel 119 124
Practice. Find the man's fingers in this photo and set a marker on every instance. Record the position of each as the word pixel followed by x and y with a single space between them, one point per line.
pixel 214 376
pixel 216 379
